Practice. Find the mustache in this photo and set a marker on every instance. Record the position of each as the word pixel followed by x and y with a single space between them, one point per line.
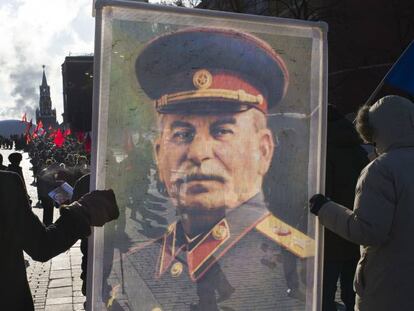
pixel 200 177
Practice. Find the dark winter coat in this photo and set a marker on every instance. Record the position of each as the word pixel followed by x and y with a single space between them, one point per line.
pixel 17 169
pixel 21 230
pixel 344 162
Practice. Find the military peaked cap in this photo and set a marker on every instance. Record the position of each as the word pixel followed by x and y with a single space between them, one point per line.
pixel 211 70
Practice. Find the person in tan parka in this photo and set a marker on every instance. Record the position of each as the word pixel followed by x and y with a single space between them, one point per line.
pixel 382 221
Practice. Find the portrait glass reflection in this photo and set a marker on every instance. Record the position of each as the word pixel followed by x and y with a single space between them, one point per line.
pixel 208 150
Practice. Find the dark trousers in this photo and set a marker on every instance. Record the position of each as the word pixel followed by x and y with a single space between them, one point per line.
pixel 47 205
pixel 345 271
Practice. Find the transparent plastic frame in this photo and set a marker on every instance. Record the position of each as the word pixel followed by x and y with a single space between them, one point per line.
pixel 125 123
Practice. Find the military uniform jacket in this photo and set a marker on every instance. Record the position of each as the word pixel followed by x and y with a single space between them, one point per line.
pixel 234 266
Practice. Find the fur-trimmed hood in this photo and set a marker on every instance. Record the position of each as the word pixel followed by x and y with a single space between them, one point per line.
pixel 392 120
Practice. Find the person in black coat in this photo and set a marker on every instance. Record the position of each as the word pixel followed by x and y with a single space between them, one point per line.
pixel 21 230
pixel 2 167
pixel 15 158
pixel 344 162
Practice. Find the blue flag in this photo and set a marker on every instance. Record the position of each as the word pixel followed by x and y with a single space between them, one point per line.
pixel 401 75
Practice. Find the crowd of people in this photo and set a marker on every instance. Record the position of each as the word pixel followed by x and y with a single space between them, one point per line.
pixel 21 230
pixel 18 141
pixel 43 151
pixel 52 165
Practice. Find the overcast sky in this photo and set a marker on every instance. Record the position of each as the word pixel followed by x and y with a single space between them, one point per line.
pixel 35 33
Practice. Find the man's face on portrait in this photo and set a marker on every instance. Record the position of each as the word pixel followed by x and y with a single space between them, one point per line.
pixel 60 198
pixel 213 161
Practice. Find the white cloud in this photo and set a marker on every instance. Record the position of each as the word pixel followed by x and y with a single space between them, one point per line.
pixel 33 33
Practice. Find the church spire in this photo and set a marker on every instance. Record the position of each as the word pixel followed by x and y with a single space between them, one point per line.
pixel 44 81
pixel 45 113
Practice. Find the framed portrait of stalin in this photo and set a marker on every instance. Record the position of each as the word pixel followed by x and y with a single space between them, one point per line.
pixel 209 128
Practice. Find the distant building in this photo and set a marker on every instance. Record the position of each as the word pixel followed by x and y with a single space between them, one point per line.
pixel 77 73
pixel 45 113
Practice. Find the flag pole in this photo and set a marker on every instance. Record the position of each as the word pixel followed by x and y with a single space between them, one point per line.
pixel 381 84
pixel 376 91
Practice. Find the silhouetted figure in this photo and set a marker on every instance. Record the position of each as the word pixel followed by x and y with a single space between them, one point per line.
pixel 15 158
pixel 47 205
pixel 82 187
pixel 2 167
pixel 21 230
pixel 344 162
pixel 46 183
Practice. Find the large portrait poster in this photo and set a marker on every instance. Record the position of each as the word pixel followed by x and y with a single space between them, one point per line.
pixel 209 128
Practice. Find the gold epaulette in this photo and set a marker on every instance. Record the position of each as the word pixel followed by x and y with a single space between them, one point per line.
pixel 290 238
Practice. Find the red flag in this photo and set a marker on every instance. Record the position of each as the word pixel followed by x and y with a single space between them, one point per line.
pixel 88 143
pixel 28 139
pixel 58 139
pixel 52 133
pixel 24 119
pixel 50 128
pixel 80 136
pixel 28 126
pixel 40 124
pixel 37 127
pixel 67 132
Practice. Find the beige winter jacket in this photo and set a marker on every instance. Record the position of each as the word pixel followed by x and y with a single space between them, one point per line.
pixel 383 218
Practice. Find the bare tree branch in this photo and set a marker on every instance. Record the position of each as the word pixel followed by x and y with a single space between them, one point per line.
pixel 288 7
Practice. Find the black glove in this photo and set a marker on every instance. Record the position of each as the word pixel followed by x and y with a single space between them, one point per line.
pixel 316 202
pixel 99 206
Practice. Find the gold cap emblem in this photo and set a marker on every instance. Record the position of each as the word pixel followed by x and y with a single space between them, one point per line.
pixel 176 269
pixel 202 79
pixel 219 232
pixel 156 309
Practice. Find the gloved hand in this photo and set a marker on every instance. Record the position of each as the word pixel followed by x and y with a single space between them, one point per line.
pixel 99 206
pixel 316 202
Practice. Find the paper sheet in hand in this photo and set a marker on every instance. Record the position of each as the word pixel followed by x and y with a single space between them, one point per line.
pixel 61 194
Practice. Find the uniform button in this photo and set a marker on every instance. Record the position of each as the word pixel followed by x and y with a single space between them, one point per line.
pixel 176 269
pixel 219 232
